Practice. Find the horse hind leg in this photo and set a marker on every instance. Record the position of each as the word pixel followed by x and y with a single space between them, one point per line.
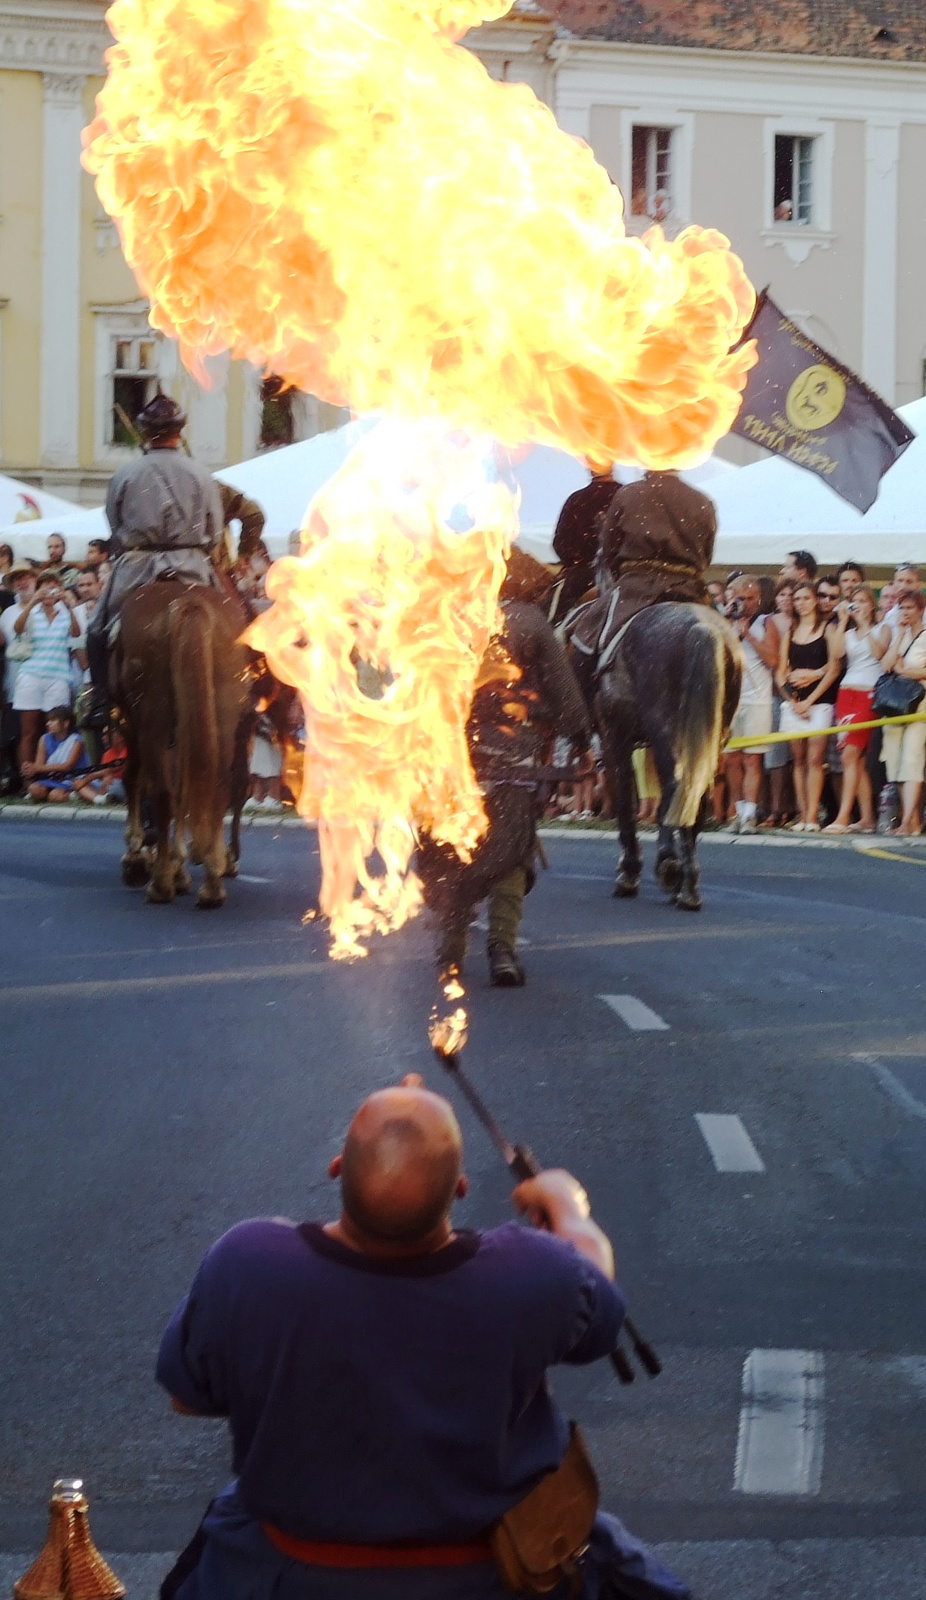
pixel 212 890
pixel 162 888
pixel 182 880
pixel 668 868
pixel 136 865
pixel 630 865
pixel 688 897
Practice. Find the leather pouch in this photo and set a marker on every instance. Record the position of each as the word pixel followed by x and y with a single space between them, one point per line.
pixel 539 1541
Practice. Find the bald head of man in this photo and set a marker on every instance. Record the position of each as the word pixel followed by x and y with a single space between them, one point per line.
pixel 400 1170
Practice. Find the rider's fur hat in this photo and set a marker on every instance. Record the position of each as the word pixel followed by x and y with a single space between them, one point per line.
pixel 161 416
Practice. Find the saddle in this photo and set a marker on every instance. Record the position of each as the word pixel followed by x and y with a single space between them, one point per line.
pixel 594 633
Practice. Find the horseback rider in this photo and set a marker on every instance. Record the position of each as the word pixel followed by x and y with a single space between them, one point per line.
pixel 165 513
pixel 526 695
pixel 656 543
pixel 576 537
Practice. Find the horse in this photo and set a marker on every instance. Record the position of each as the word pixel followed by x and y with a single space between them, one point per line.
pixel 180 677
pixel 670 680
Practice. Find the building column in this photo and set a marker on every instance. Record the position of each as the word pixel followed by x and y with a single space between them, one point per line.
pixel 879 324
pixel 63 119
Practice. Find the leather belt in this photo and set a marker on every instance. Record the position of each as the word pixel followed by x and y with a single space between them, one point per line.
pixel 317 1553
pixel 680 568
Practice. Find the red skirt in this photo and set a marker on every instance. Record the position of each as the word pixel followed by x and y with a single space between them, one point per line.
pixel 854 705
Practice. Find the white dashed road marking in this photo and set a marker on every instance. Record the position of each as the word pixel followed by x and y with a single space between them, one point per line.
pixel 730 1146
pixel 636 1015
pixel 892 1085
pixel 780 1445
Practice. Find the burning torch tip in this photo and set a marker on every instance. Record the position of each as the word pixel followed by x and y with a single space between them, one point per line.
pixel 448 1034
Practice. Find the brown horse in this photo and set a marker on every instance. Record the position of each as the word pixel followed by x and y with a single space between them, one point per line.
pixel 179 675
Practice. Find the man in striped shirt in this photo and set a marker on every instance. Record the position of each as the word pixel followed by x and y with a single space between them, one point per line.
pixel 43 680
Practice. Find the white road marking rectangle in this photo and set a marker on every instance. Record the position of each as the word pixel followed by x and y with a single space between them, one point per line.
pixel 730 1146
pixel 636 1015
pixel 780 1445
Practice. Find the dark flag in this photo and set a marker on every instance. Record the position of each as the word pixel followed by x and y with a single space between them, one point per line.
pixel 803 404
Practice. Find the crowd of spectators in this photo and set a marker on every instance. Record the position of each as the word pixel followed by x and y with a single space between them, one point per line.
pixel 45 752
pixel 814 647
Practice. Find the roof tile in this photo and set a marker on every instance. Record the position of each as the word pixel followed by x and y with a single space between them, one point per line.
pixel 893 30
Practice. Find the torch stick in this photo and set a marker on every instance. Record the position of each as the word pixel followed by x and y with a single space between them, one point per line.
pixel 447 1038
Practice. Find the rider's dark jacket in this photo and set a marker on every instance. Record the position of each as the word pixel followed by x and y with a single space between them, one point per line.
pixel 575 540
pixel 657 541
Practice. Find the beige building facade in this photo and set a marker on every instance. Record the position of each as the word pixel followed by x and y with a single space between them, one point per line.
pixel 77 355
pixel 814 166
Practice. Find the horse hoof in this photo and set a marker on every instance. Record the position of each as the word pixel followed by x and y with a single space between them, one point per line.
pixel 625 887
pixel 182 882
pixel 669 873
pixel 688 900
pixel 230 869
pixel 135 872
pixel 210 900
pixel 159 894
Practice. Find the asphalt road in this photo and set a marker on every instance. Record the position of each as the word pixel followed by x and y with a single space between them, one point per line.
pixel 167 1072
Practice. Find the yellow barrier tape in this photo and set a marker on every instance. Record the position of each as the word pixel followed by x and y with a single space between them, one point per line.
pixel 890 855
pixel 744 743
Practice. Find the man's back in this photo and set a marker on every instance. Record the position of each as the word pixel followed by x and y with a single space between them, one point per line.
pixel 662 519
pixel 374 1399
pixel 163 501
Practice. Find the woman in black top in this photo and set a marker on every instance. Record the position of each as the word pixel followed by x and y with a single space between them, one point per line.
pixel 807 674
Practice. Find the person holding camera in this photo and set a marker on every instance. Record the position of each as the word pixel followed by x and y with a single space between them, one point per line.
pixel 904 744
pixel 860 641
pixel 759 638
pixel 44 679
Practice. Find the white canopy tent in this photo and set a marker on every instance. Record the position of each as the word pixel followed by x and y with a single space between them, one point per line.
pixel 771 507
pixel 21 500
pixel 284 481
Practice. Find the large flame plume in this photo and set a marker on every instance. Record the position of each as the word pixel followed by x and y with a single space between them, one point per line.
pixel 382 622
pixel 335 189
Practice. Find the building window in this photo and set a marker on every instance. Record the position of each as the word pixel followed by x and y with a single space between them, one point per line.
pixel 133 382
pixel 651 175
pixel 792 198
pixel 277 423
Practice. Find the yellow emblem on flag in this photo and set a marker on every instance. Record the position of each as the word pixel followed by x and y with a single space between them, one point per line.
pixel 816 397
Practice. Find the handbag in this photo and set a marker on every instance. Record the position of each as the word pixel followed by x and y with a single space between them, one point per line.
pixel 896 696
pixel 539 1541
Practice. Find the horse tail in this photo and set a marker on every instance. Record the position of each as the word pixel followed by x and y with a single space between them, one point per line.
pixel 700 722
pixel 192 667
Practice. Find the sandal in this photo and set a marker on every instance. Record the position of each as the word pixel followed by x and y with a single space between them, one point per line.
pixel 836 827
pixel 811 827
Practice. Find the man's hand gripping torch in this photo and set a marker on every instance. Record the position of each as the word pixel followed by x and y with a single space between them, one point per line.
pixel 448 1038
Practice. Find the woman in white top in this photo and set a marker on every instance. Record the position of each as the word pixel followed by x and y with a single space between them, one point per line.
pixel 862 648
pixel 904 748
